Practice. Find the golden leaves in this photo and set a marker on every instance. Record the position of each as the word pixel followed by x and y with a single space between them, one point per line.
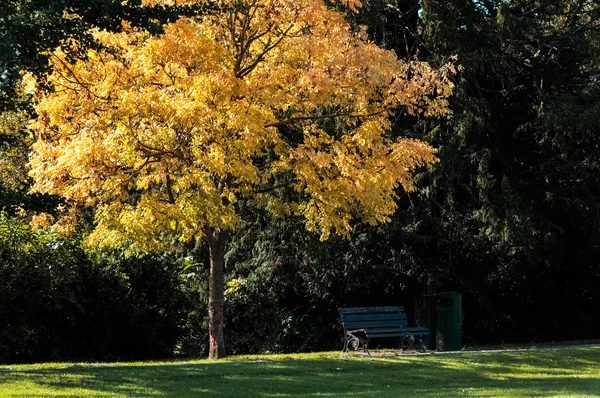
pixel 353 5
pixel 29 84
pixel 171 3
pixel 164 135
pixel 13 156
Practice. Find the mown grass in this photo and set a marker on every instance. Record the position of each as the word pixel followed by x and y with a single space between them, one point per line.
pixel 563 372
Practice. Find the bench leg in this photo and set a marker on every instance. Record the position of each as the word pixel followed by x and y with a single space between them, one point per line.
pixel 407 341
pixel 400 345
pixel 356 342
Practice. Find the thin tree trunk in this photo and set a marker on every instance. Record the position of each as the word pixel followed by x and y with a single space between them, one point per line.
pixel 217 242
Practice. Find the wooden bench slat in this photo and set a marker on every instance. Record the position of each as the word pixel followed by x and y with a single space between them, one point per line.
pixel 408 330
pixel 362 324
pixel 375 324
pixel 370 310
pixel 373 317
pixel 397 334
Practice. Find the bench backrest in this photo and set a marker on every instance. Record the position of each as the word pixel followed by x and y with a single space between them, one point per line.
pixel 373 317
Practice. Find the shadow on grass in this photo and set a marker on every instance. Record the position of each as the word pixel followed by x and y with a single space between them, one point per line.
pixel 567 373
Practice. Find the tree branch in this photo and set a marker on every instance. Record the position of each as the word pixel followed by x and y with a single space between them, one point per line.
pixel 273 187
pixel 319 117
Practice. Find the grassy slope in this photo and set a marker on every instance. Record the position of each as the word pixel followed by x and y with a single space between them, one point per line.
pixel 564 372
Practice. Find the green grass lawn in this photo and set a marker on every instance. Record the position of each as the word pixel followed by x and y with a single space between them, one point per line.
pixel 557 372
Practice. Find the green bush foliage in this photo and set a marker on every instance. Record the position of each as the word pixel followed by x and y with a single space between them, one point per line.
pixel 58 302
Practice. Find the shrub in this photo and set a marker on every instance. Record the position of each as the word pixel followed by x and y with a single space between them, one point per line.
pixel 59 302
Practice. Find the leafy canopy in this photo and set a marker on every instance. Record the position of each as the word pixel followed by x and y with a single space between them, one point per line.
pixel 164 135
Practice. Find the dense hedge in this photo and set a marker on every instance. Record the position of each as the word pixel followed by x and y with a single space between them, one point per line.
pixel 58 302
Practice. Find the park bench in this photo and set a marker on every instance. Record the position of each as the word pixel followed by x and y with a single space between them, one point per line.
pixel 363 324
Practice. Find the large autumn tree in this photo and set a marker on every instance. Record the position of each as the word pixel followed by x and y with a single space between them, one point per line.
pixel 271 103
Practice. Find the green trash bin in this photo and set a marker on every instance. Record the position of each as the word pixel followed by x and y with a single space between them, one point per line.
pixel 448 321
pixel 427 309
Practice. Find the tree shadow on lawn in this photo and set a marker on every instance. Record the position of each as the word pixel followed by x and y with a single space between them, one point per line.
pixel 426 376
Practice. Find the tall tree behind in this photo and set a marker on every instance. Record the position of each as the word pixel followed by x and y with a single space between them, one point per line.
pixel 513 204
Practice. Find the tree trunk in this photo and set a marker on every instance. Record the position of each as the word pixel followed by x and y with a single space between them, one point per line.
pixel 216 242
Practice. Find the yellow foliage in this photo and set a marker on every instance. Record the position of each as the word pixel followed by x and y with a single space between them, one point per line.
pixel 29 84
pixel 354 5
pixel 233 286
pixel 14 145
pixel 163 135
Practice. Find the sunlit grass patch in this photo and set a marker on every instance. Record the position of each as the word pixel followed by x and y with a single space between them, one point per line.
pixel 560 372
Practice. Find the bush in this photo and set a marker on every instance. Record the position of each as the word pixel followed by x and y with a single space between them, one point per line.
pixel 58 302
